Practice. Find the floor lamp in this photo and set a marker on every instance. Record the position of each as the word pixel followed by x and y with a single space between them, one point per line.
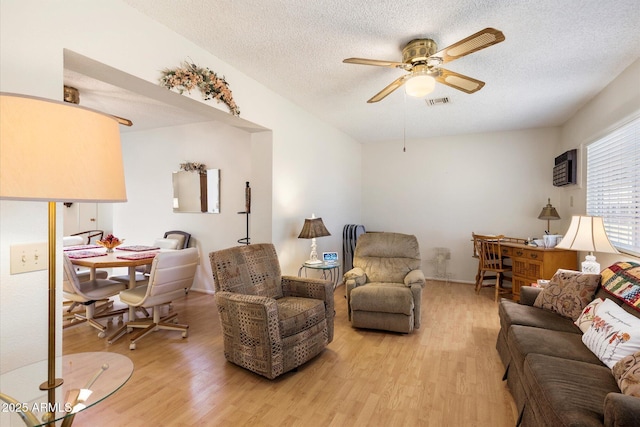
pixel 57 152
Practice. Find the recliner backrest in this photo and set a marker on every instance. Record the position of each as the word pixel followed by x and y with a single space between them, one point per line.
pixel 387 257
pixel 249 270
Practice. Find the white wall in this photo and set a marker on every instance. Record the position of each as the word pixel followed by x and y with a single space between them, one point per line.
pixel 615 104
pixel 443 189
pixel 150 159
pixel 305 152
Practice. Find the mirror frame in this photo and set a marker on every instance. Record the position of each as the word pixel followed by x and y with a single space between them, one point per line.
pixel 196 192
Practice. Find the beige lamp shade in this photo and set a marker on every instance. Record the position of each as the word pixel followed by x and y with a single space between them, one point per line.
pixel 587 233
pixel 55 151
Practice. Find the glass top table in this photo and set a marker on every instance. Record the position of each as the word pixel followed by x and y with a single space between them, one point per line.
pixel 333 270
pixel 88 378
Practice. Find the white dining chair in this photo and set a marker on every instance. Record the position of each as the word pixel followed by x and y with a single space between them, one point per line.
pixel 171 273
pixel 88 293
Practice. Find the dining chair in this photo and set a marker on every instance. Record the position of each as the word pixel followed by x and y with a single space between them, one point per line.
pixel 171 273
pixel 490 261
pixel 88 293
pixel 91 234
pixel 182 237
pixel 143 271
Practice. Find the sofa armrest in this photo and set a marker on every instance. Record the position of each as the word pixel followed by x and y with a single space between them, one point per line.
pixel 414 277
pixel 355 277
pixel 262 311
pixel 528 294
pixel 621 410
pixel 304 287
pixel 250 326
pixel 352 279
pixel 321 289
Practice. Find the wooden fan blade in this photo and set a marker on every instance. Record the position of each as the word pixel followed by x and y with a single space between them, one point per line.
pixel 376 62
pixel 473 43
pixel 459 81
pixel 122 121
pixel 390 88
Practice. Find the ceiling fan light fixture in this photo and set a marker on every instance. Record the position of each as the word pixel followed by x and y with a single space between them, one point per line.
pixel 420 85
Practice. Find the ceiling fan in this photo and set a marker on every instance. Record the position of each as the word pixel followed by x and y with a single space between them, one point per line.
pixel 72 95
pixel 422 60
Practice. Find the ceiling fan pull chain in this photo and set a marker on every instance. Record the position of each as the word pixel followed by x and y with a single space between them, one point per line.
pixel 404 125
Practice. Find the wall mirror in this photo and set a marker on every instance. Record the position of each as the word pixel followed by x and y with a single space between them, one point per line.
pixel 196 191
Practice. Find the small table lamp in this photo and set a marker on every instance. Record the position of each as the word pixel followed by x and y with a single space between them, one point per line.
pixel 57 152
pixel 313 227
pixel 549 213
pixel 587 233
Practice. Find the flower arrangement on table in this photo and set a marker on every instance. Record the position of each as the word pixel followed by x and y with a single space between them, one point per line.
pixel 110 242
pixel 189 76
pixel 193 167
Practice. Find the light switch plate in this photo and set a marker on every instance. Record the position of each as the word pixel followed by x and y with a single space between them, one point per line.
pixel 26 257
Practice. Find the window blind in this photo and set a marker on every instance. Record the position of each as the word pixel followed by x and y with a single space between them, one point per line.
pixel 613 185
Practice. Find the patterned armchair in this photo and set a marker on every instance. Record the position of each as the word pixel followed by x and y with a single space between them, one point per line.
pixel 384 288
pixel 271 323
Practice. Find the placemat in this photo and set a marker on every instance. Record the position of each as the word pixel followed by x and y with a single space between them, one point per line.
pixel 80 247
pixel 84 254
pixel 141 255
pixel 137 248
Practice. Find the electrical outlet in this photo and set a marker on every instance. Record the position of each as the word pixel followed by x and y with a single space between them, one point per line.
pixel 26 257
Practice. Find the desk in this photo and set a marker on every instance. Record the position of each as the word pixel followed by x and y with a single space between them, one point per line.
pixel 20 387
pixel 332 269
pixel 531 263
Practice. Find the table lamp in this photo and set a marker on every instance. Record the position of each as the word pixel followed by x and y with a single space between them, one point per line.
pixel 549 213
pixel 587 233
pixel 57 152
pixel 313 227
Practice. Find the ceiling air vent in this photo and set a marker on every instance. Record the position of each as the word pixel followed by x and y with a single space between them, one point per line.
pixel 437 101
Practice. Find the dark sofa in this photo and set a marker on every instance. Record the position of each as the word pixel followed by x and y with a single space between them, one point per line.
pixel 554 378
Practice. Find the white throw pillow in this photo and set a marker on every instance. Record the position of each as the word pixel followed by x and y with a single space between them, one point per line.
pixel 613 334
pixel 586 317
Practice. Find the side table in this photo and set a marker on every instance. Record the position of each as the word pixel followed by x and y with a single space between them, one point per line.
pixel 329 271
pixel 89 378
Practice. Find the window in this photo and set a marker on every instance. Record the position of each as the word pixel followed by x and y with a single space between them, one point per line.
pixel 613 185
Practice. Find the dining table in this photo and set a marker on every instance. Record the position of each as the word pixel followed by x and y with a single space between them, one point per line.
pixel 96 257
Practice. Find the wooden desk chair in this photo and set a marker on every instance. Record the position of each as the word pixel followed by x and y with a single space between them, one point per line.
pixel 489 251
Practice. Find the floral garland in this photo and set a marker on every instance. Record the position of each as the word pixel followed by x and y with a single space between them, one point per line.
pixel 193 167
pixel 190 76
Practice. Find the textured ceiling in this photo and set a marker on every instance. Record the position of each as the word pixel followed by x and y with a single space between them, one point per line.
pixel 557 55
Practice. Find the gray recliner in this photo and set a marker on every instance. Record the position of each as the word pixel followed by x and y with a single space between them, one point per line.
pixel 385 286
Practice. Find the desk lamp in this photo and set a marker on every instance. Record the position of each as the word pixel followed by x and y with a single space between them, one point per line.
pixel 57 152
pixel 313 227
pixel 587 233
pixel 549 213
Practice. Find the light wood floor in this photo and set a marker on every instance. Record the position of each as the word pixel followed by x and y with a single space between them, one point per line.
pixel 447 373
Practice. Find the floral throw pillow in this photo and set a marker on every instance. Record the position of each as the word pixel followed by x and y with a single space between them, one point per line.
pixel 586 317
pixel 627 374
pixel 568 293
pixel 613 334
